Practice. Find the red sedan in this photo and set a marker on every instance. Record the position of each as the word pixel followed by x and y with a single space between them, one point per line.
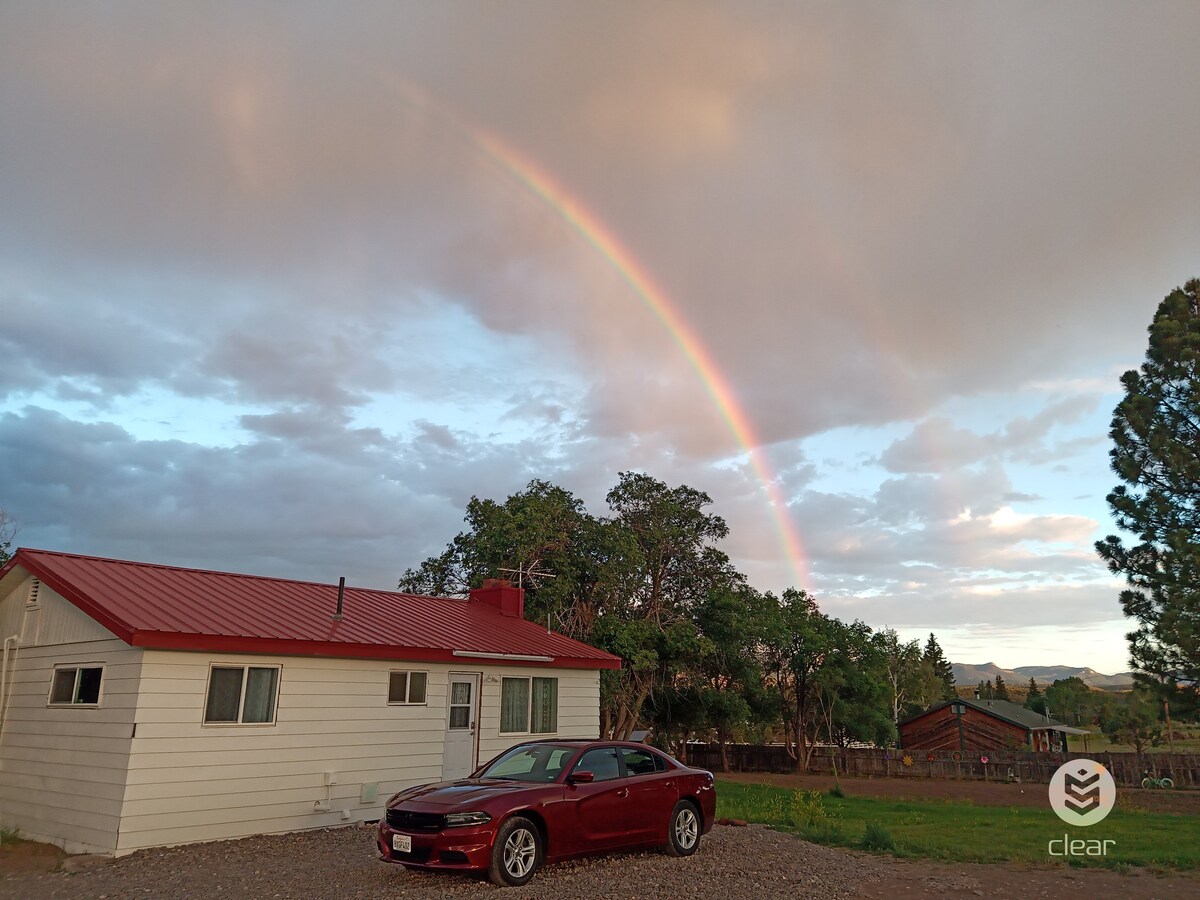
pixel 543 801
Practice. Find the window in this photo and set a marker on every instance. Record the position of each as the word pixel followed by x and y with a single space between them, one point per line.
pixel 241 695
pixel 529 704
pixel 601 762
pixel 406 687
pixel 642 762
pixel 76 686
pixel 535 762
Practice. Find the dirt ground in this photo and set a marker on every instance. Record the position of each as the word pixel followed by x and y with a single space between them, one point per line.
pixel 26 856
pixel 981 793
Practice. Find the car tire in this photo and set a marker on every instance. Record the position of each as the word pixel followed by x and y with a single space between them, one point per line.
pixel 683 832
pixel 516 852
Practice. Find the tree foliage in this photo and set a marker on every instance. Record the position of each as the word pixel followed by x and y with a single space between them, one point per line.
pixel 940 668
pixel 999 688
pixel 703 654
pixel 8 533
pixel 1070 701
pixel 1035 699
pixel 1156 437
pixel 1134 722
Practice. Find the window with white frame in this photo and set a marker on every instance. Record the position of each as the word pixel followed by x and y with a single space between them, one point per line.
pixel 407 687
pixel 241 695
pixel 76 685
pixel 528 705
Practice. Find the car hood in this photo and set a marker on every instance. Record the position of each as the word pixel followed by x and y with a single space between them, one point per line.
pixel 464 793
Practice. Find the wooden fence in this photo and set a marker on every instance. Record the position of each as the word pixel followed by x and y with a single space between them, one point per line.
pixel 1127 769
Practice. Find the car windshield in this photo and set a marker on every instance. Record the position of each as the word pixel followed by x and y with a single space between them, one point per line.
pixel 531 762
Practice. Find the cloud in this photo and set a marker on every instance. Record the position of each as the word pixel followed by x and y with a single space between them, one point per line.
pixel 936 444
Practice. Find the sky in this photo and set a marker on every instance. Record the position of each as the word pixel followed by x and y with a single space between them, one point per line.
pixel 282 286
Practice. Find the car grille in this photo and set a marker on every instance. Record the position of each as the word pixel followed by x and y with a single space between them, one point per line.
pixel 406 820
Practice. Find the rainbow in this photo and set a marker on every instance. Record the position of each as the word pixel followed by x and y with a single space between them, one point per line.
pixel 628 269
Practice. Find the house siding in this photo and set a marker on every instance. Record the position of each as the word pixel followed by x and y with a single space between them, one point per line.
pixel 191 782
pixel 63 769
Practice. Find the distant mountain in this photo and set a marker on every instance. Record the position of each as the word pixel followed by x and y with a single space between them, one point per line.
pixel 966 675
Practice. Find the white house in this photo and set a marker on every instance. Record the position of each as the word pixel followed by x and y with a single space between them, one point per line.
pixel 145 705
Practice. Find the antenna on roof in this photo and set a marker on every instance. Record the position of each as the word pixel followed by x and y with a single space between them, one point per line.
pixel 522 573
pixel 337 616
pixel 530 573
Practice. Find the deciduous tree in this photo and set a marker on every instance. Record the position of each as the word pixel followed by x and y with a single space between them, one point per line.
pixel 8 532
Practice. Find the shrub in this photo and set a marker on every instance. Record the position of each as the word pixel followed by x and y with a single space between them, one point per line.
pixel 808 810
pixel 876 837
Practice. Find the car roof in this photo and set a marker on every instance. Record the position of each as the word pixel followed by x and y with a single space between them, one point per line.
pixel 590 742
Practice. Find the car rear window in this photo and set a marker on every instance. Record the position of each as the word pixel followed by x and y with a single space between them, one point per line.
pixel 642 762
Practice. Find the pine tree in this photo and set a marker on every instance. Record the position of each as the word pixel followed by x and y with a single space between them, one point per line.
pixel 999 689
pixel 1155 433
pixel 984 690
pixel 1036 700
pixel 940 666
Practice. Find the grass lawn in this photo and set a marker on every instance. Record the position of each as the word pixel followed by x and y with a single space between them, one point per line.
pixel 962 832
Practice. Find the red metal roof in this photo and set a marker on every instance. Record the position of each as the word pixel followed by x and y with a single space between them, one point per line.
pixel 170 608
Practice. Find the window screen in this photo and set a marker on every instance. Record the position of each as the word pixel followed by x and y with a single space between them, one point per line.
pixel 224 694
pixel 544 713
pixel 514 704
pixel 259 705
pixel 398 687
pixel 243 695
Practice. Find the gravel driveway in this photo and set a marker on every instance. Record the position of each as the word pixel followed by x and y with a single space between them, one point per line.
pixel 753 863
pixel 342 863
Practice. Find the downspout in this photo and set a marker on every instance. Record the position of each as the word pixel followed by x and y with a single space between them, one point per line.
pixel 5 685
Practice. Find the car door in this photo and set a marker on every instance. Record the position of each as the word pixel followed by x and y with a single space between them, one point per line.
pixel 601 806
pixel 652 794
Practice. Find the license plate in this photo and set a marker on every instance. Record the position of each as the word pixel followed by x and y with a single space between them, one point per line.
pixel 402 843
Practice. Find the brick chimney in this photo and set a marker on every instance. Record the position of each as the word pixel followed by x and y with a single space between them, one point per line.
pixel 500 593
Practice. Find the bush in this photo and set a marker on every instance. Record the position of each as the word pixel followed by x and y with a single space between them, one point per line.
pixel 836 791
pixel 876 837
pixel 808 810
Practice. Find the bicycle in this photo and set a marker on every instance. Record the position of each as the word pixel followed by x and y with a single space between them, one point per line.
pixel 1149 781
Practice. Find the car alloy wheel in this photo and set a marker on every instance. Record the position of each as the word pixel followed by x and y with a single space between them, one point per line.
pixel 520 851
pixel 683 837
pixel 516 853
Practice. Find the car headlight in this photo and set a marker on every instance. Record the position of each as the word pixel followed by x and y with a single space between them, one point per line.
pixel 457 820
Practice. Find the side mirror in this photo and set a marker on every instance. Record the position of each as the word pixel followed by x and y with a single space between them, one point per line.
pixel 582 776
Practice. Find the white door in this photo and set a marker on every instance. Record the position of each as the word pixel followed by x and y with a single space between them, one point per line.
pixel 458 758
